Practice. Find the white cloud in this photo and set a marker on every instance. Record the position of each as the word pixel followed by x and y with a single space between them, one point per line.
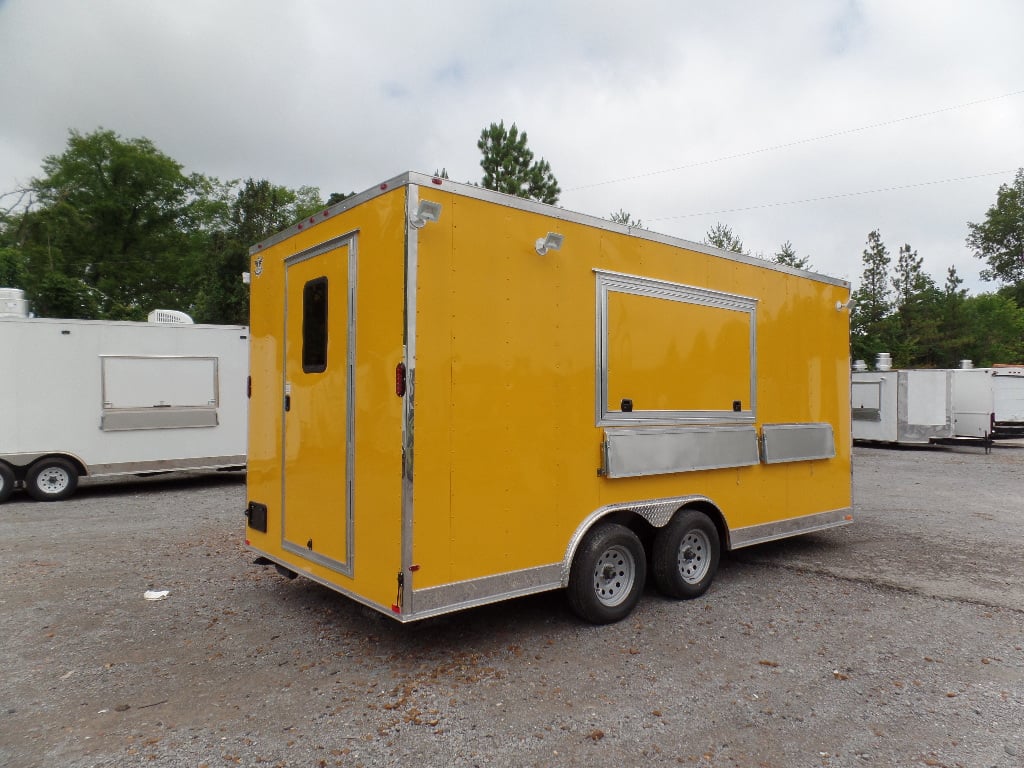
pixel 341 96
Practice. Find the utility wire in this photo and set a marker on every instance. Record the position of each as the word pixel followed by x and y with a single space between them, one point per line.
pixel 798 142
pixel 831 197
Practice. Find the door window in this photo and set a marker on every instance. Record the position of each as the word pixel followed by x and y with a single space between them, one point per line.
pixel 314 326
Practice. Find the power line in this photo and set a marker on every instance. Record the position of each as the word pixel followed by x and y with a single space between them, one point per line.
pixel 832 197
pixel 798 142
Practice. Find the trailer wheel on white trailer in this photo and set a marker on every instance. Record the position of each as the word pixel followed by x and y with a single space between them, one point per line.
pixel 6 482
pixel 51 479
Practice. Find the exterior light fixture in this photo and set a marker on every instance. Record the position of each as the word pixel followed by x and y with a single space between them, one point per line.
pixel 425 211
pixel 553 241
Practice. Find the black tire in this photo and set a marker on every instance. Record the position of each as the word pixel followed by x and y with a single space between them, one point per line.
pixel 607 575
pixel 6 482
pixel 51 479
pixel 685 555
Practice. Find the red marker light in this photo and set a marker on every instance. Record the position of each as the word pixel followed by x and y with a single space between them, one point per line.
pixel 400 379
pixel 437 180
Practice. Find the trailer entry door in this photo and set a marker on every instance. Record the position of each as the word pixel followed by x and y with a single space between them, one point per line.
pixel 318 430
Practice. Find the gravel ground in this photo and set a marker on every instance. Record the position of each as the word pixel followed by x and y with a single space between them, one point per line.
pixel 898 641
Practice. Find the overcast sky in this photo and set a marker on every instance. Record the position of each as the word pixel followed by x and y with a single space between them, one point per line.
pixel 813 121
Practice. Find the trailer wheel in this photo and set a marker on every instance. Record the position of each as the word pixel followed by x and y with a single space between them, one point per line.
pixel 685 555
pixel 51 479
pixel 6 482
pixel 607 574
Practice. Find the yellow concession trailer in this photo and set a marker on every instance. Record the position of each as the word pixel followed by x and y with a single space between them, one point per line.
pixel 459 397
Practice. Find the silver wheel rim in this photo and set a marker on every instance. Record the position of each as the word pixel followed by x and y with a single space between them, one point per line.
pixel 53 480
pixel 694 557
pixel 614 574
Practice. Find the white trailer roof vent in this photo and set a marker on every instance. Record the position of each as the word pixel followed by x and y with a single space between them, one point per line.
pixel 13 303
pixel 966 364
pixel 169 317
pixel 883 362
pixel 860 365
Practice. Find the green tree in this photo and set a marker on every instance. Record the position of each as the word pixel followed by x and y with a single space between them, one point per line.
pixel 722 236
pixel 246 214
pixel 626 219
pixel 337 197
pixel 13 271
pixel 787 255
pixel 112 216
pixel 58 295
pixel 870 321
pixel 509 166
pixel 915 327
pixel 999 239
pixel 954 335
pixel 996 326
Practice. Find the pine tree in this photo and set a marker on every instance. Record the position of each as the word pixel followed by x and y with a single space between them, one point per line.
pixel 954 336
pixel 870 323
pixel 787 255
pixel 722 236
pixel 915 327
pixel 625 218
pixel 509 166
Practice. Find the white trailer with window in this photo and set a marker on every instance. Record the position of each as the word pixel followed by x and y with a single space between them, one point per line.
pixel 912 407
pixel 97 398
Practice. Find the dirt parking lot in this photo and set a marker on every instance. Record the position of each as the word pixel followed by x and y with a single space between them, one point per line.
pixel 898 641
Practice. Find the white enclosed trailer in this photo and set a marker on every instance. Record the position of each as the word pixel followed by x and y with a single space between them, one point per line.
pixel 96 398
pixel 972 402
pixel 989 402
pixel 902 406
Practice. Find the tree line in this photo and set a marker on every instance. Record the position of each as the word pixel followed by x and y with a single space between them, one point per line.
pixel 114 228
pixel 900 309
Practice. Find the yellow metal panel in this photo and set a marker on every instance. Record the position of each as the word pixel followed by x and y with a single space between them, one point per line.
pixel 673 355
pixel 377 229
